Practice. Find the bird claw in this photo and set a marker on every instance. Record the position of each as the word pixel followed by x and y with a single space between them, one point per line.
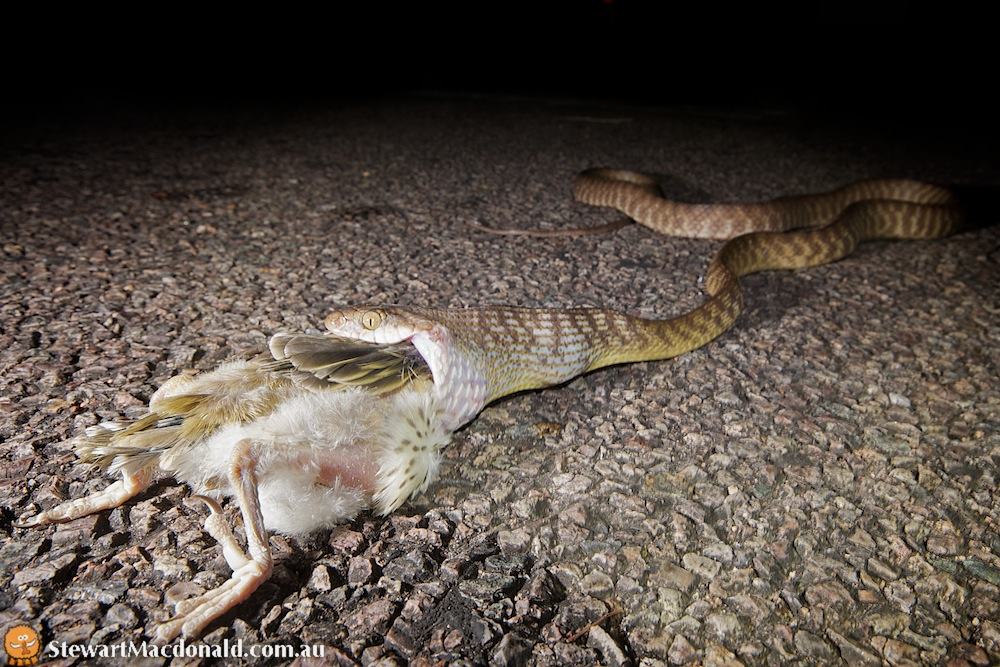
pixel 217 527
pixel 33 521
pixel 193 614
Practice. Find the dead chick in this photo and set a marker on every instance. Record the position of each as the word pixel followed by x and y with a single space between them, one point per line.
pixel 304 438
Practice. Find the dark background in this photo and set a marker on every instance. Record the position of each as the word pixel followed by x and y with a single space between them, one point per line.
pixel 887 59
pixel 176 185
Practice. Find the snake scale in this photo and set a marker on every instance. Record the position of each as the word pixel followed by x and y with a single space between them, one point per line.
pixel 477 355
pixel 322 427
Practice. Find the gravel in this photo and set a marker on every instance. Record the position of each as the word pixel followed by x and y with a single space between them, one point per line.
pixel 816 486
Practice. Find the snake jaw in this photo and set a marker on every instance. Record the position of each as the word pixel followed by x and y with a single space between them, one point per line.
pixel 459 386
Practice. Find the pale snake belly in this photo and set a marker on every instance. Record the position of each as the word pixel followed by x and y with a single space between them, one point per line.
pixel 477 355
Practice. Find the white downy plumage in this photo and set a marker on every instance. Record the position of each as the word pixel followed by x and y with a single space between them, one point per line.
pixel 324 457
pixel 325 429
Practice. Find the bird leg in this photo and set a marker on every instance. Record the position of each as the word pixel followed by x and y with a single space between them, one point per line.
pixel 217 526
pixel 112 496
pixel 250 568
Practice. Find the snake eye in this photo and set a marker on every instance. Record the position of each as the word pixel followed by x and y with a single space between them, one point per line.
pixel 372 319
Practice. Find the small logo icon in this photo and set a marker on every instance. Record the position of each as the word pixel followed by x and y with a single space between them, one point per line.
pixel 23 646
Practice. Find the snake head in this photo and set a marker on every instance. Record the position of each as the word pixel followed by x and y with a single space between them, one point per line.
pixel 391 325
pixel 364 323
pixel 382 325
pixel 459 384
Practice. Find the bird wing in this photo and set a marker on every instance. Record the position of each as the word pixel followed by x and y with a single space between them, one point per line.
pixel 323 362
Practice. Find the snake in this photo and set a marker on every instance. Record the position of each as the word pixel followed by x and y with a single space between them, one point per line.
pixel 478 355
pixel 322 426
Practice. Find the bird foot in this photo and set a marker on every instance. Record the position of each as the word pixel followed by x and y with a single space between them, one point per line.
pixel 112 496
pixel 249 571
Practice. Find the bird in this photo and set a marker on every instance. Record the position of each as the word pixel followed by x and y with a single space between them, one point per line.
pixel 329 425
pixel 303 438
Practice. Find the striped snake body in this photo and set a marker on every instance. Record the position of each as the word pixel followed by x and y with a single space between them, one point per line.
pixel 326 426
pixel 477 355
